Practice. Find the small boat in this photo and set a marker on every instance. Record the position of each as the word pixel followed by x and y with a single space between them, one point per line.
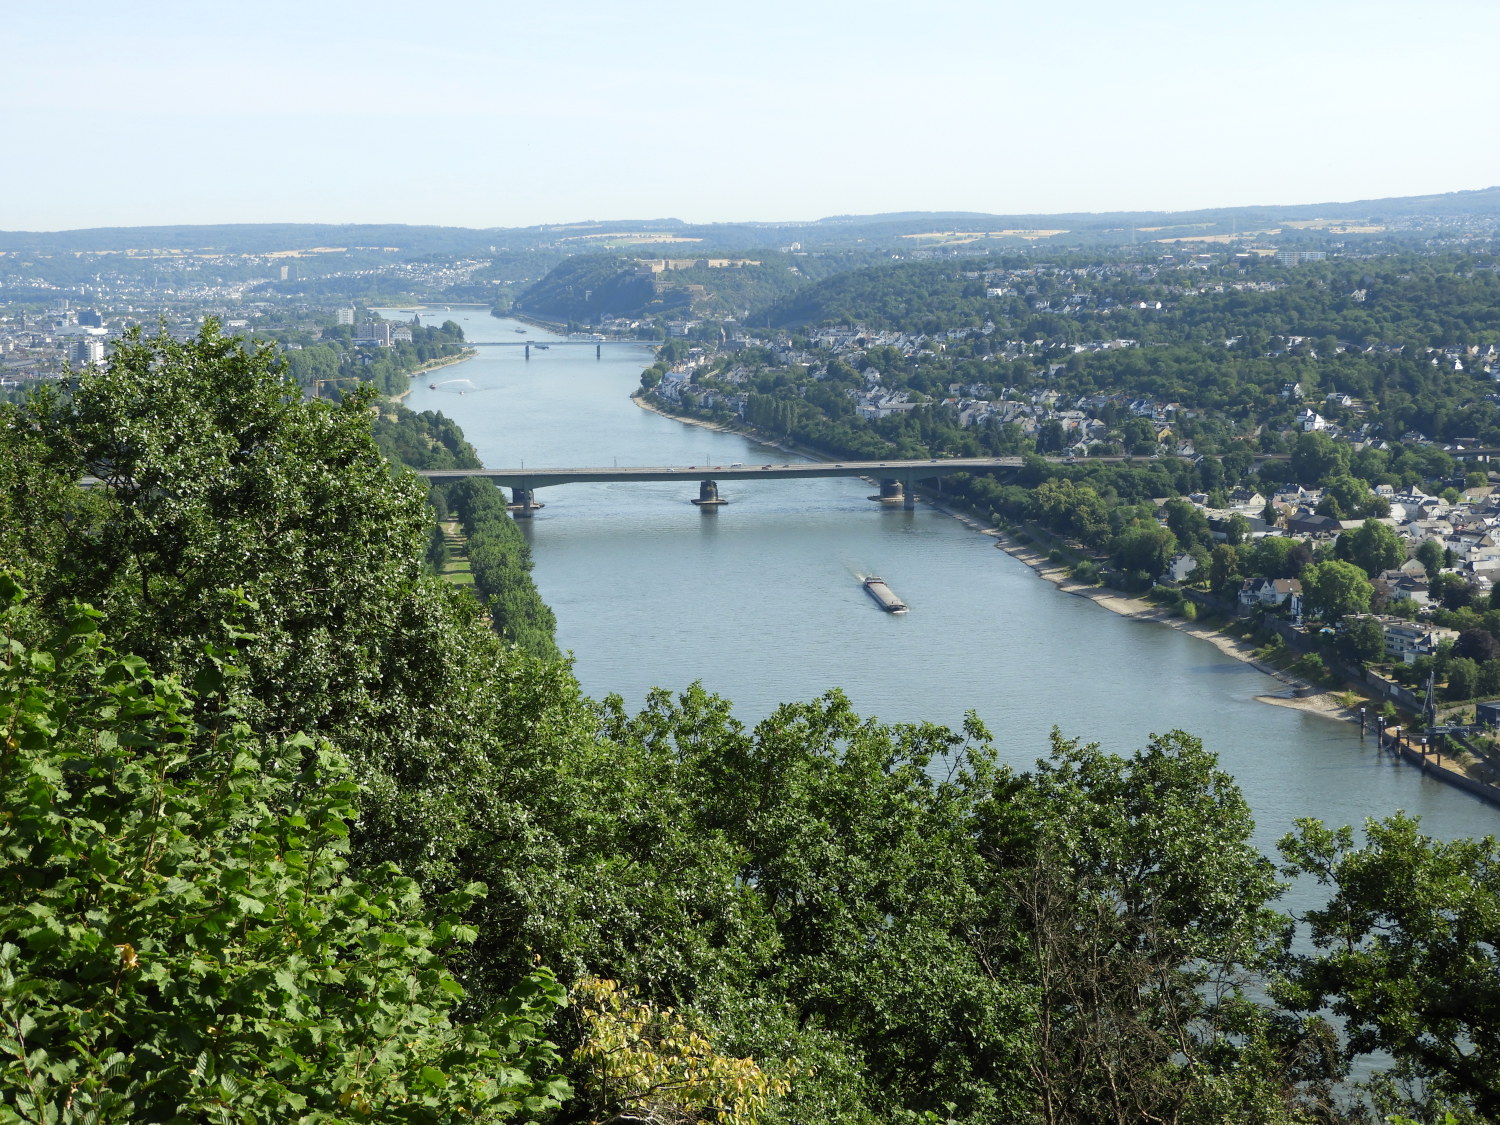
pixel 522 331
pixel 432 386
pixel 883 596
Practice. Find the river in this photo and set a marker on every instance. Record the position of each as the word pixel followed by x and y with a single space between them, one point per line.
pixel 761 601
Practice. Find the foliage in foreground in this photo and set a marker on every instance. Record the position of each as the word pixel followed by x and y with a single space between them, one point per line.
pixel 652 1063
pixel 1409 957
pixel 181 936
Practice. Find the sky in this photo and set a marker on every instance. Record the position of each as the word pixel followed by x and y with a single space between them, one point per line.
pixel 494 113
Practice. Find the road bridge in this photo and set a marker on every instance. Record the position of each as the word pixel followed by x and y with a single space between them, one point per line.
pixel 551 343
pixel 543 345
pixel 897 478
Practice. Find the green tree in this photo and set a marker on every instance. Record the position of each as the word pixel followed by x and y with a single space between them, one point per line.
pixel 1373 547
pixel 1188 523
pixel 1405 952
pixel 877 920
pixel 226 502
pixel 500 560
pixel 1276 556
pixel 1316 457
pixel 1224 568
pixel 1452 591
pixel 1478 645
pixel 1363 640
pixel 185 939
pixel 1049 436
pixel 1147 547
pixel 232 512
pixel 1146 910
pixel 1432 555
pixel 1072 508
pixel 1463 679
pixel 1346 497
pixel 1236 530
pixel 1334 588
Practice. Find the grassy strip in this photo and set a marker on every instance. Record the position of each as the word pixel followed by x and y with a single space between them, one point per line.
pixel 455 566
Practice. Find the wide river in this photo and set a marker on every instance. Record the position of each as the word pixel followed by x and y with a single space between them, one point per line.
pixel 761 600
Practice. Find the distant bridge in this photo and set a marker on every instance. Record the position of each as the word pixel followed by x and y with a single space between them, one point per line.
pixel 545 344
pixel 897 478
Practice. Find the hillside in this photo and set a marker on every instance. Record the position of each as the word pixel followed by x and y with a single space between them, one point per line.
pixel 591 287
pixel 1417 211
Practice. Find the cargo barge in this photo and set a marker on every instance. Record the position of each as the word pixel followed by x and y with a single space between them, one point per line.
pixel 883 596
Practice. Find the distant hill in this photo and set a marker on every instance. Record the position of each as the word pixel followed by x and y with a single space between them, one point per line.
pixel 589 287
pixel 644 235
pixel 251 238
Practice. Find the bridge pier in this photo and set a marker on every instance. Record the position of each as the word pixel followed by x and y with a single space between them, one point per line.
pixel 523 503
pixel 708 495
pixel 891 492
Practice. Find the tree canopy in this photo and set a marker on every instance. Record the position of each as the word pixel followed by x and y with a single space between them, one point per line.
pixel 1334 589
pixel 1406 953
pixel 185 938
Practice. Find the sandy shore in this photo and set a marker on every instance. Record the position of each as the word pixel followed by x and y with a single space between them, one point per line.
pixel 717 427
pixel 1300 694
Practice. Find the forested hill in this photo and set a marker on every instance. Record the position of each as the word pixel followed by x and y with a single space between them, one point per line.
pixel 901 297
pixel 1429 300
pixel 589 287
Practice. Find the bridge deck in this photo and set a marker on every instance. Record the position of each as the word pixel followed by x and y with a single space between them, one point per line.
pixel 893 470
pixel 904 471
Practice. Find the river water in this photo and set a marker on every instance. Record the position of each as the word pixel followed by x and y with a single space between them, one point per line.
pixel 761 600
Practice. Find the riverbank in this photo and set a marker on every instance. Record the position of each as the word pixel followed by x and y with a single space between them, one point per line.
pixel 722 428
pixel 1300 694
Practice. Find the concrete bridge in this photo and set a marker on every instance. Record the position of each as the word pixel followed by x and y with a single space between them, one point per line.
pixel 897 478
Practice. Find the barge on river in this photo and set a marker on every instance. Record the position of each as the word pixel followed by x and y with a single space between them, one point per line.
pixel 883 596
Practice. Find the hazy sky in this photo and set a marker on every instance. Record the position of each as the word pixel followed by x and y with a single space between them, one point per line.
pixel 497 113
